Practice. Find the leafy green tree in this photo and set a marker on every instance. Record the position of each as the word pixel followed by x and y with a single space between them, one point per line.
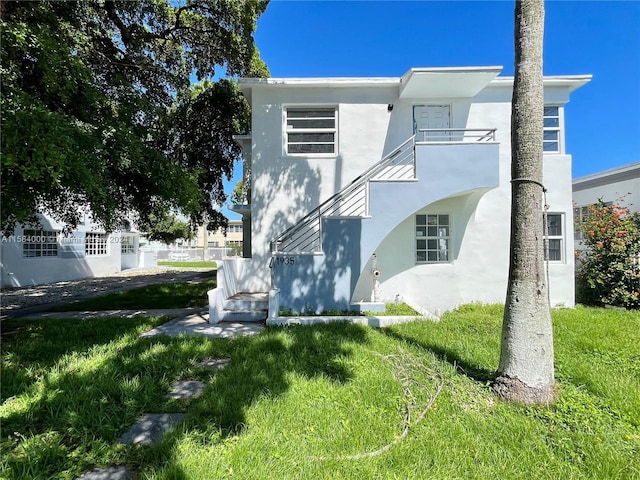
pixel 608 270
pixel 168 229
pixel 98 109
pixel 238 196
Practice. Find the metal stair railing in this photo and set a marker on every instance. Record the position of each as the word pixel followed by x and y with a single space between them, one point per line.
pixel 350 202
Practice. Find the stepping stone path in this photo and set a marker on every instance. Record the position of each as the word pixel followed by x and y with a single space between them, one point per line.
pixel 214 363
pixel 152 427
pixel 111 473
pixel 187 389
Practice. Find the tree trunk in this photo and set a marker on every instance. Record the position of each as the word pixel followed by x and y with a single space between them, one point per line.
pixel 525 372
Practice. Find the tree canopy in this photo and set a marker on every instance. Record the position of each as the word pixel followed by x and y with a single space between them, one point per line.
pixel 98 109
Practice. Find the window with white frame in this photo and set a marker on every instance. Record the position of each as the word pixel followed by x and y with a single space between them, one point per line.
pixel 311 130
pixel 580 215
pixel 95 244
pixel 39 243
pixel 433 238
pixel 554 237
pixel 127 245
pixel 551 130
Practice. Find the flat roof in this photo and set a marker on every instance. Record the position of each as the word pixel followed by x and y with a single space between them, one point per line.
pixel 618 174
pixel 440 82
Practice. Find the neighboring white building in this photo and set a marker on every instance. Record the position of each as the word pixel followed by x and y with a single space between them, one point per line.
pixel 385 188
pixel 42 254
pixel 620 184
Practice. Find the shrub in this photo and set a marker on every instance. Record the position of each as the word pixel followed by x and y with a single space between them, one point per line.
pixel 608 270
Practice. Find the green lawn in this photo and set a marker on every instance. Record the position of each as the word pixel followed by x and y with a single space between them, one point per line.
pixel 164 295
pixel 321 402
pixel 163 263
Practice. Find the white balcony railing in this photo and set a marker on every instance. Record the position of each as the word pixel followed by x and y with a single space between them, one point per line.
pixel 455 135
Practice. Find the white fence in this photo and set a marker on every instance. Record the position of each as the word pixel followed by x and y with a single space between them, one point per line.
pixel 194 254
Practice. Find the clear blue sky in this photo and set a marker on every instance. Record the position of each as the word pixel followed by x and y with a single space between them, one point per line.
pixel 386 38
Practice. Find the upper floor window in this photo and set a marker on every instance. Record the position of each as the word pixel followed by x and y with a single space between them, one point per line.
pixel 311 130
pixel 551 140
pixel 95 243
pixel 432 238
pixel 554 237
pixel 40 243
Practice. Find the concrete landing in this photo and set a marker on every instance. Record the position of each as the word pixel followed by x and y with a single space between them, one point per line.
pixel 151 428
pixel 186 390
pixel 198 324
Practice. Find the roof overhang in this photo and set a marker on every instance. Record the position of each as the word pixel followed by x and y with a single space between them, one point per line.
pixel 445 82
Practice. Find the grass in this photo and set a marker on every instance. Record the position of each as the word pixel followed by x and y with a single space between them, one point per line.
pixel 320 401
pixel 163 263
pixel 165 295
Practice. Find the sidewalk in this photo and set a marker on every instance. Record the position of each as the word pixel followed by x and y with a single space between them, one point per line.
pixel 23 301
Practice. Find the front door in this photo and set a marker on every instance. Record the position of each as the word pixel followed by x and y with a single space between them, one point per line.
pixel 431 117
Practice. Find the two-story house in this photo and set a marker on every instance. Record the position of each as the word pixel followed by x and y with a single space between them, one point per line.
pixel 375 189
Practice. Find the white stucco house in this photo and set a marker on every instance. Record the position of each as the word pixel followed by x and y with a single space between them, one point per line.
pixel 621 184
pixel 391 188
pixel 41 254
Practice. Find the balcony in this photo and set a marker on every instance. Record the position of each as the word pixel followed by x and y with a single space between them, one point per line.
pixel 457 160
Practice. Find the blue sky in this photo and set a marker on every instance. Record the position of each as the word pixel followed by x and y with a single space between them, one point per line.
pixel 386 38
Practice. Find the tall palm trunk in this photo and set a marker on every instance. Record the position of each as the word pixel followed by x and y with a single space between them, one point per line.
pixel 525 372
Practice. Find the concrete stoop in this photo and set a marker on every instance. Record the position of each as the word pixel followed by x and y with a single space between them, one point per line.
pixel 246 307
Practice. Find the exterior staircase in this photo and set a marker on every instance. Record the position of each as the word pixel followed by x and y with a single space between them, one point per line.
pixel 246 307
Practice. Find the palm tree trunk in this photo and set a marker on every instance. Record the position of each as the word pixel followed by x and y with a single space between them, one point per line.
pixel 525 372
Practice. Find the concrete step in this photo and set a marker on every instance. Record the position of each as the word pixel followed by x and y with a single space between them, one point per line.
pixel 246 307
pixel 244 315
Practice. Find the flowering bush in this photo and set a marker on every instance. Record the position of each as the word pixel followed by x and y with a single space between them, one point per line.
pixel 608 270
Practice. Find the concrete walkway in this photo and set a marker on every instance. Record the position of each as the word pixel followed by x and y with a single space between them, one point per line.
pixel 186 321
pixel 23 301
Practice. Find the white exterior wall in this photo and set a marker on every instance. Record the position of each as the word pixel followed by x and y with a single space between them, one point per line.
pixel 285 188
pixel 71 263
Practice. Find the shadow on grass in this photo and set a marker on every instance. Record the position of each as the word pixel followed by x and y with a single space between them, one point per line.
pixel 71 409
pixel 446 354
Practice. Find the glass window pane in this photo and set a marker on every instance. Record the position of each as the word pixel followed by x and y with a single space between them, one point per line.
pixel 421 231
pixel 421 244
pixel 433 231
pixel 555 250
pixel 552 122
pixel 421 219
pixel 550 111
pixel 432 244
pixel 311 148
pixel 311 123
pixel 554 223
pixel 432 256
pixel 550 146
pixel 306 112
pixel 444 219
pixel 551 135
pixel 432 219
pixel 421 256
pixel 311 137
